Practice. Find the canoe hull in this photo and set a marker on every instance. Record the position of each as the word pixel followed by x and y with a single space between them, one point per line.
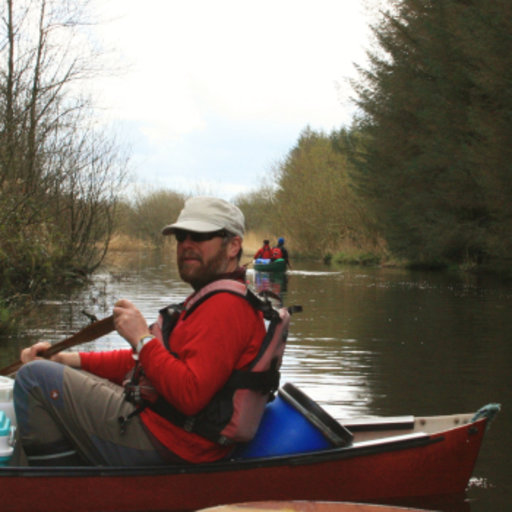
pixel 425 465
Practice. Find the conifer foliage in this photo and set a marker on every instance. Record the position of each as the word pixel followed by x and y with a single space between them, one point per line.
pixel 436 114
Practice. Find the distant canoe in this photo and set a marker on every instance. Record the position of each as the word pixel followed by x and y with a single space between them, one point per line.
pixel 267 265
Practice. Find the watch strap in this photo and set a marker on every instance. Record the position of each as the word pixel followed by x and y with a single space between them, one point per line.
pixel 145 339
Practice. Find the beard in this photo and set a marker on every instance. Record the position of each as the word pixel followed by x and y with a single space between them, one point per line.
pixel 200 272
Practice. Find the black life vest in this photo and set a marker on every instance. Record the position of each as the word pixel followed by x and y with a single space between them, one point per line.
pixel 234 413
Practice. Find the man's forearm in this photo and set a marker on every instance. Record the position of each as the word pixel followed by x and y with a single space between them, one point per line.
pixel 68 358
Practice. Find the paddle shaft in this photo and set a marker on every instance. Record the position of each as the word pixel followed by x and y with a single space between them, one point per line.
pixel 91 332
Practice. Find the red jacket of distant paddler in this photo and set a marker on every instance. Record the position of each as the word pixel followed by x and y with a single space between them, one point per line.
pixel 224 333
pixel 264 252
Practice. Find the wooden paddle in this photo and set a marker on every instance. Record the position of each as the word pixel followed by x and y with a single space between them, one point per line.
pixel 91 332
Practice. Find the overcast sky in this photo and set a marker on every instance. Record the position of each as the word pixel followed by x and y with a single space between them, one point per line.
pixel 214 93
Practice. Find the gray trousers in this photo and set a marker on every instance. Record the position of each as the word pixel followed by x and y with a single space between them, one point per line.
pixel 70 417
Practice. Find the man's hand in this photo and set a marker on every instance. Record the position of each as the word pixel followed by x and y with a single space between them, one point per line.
pixel 31 353
pixel 129 322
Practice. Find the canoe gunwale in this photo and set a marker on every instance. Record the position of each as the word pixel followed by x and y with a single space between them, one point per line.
pixel 381 424
pixel 362 449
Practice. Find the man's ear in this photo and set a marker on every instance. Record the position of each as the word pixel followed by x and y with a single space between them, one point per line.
pixel 234 246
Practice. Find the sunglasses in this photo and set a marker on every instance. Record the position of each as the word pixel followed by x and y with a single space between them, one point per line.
pixel 181 235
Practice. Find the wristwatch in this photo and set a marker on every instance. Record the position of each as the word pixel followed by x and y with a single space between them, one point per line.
pixel 145 339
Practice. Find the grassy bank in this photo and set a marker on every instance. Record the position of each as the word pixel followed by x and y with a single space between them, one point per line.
pixel 125 243
pixel 253 240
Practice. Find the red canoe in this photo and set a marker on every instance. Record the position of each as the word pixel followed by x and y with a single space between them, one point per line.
pixel 389 458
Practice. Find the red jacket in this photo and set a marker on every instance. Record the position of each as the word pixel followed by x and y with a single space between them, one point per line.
pixel 224 333
pixel 264 252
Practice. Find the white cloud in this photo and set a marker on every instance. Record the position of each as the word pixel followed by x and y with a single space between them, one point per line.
pixel 199 72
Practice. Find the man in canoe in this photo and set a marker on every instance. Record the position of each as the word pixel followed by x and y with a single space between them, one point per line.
pixel 172 408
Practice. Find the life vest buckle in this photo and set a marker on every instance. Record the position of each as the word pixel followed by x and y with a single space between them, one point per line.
pixel 189 423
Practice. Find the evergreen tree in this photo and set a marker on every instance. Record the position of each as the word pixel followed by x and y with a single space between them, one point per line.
pixel 428 103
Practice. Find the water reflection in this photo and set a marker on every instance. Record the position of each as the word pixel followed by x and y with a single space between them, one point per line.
pixel 369 342
pixel 276 282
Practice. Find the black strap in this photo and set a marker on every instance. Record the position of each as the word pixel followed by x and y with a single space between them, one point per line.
pixel 123 420
pixel 265 382
pixel 170 316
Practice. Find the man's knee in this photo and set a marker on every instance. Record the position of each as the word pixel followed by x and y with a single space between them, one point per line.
pixel 40 369
pixel 41 375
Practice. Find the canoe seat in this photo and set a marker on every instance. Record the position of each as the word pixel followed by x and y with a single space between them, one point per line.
pixel 372 424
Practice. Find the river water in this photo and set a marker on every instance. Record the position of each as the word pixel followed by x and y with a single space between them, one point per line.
pixel 369 342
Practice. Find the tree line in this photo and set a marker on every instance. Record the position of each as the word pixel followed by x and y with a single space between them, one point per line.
pixel 423 174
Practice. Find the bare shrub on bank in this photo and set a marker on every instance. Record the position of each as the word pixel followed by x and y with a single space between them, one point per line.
pixel 146 214
pixel 59 175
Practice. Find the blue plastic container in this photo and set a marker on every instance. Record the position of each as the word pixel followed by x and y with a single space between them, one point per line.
pixel 262 261
pixel 293 423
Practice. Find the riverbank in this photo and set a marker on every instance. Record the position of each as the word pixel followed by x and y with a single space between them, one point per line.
pixel 253 240
pixel 126 244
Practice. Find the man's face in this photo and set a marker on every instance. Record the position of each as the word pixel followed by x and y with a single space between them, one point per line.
pixel 200 262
